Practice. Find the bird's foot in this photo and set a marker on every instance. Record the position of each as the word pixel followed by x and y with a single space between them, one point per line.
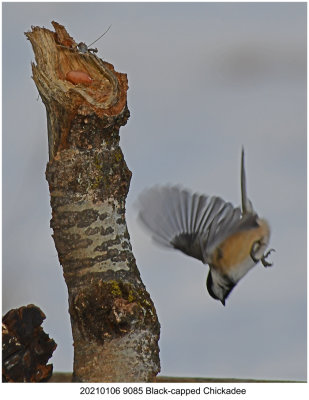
pixel 264 261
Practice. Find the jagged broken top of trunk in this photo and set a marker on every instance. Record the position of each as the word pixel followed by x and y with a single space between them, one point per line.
pixel 71 82
pixel 57 55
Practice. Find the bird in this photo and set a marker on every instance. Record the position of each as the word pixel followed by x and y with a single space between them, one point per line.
pixel 231 240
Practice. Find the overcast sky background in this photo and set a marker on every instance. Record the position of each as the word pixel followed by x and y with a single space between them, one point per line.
pixel 204 79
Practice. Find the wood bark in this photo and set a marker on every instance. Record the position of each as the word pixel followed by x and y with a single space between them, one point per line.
pixel 114 322
pixel 26 348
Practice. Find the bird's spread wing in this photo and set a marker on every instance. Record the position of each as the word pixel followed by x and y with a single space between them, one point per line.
pixel 192 223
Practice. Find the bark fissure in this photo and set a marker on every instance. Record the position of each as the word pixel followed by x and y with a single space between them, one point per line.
pixel 114 323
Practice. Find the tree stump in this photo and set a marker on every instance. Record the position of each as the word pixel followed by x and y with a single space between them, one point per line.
pixel 114 322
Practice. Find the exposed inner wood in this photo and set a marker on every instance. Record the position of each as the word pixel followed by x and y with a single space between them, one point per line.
pixel 57 56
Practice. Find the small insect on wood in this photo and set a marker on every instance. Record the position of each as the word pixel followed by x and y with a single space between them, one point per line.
pixel 83 48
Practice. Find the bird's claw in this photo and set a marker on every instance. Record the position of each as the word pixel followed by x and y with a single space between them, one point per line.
pixel 264 261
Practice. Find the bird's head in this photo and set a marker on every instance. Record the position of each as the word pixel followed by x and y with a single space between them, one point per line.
pixel 218 286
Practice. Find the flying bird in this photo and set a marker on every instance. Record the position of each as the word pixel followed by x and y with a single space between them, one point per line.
pixel 230 240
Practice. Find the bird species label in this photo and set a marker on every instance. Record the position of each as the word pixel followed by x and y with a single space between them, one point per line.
pixel 158 390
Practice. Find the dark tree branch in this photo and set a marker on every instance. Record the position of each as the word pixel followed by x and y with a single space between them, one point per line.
pixel 26 348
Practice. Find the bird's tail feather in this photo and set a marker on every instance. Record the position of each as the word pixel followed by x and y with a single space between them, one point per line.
pixel 246 204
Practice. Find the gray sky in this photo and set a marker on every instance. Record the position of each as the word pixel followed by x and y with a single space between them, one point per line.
pixel 204 79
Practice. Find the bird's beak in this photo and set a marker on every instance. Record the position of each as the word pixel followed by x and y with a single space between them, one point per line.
pixel 223 302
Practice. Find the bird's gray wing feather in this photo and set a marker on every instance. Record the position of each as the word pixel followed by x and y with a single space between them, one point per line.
pixel 192 223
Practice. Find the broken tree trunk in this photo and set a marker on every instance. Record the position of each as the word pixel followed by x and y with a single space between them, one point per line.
pixel 114 323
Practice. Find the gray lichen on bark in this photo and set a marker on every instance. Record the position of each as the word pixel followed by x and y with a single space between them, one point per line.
pixel 114 322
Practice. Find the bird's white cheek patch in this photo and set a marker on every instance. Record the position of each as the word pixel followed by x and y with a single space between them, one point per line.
pixel 240 270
